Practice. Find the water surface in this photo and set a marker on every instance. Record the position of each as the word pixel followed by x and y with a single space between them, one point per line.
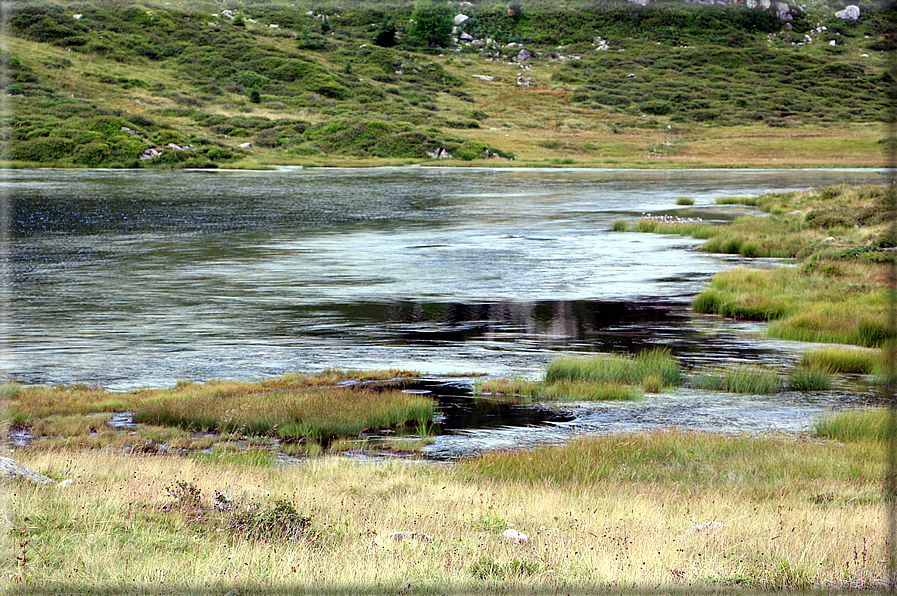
pixel 132 279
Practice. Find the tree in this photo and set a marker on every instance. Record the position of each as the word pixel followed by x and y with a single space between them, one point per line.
pixel 432 23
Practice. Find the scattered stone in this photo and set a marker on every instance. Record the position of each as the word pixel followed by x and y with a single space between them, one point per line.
pixel 149 154
pixel 466 37
pixel 705 527
pixel 630 76
pixel 176 147
pixel 514 536
pixel 523 55
pixel 461 18
pixel 851 12
pixel 77 17
pixel 833 43
pixel 402 537
pixel 864 55
pixel 10 468
pixel 65 483
pixel 440 153
pixel 527 82
pixel 484 77
pixel 245 145
pixel 131 132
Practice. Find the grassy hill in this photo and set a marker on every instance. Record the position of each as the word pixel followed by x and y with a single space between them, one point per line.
pixel 196 83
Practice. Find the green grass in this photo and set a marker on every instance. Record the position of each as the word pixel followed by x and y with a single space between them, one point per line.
pixel 810 379
pixel 524 391
pixel 844 360
pixel 866 424
pixel 655 366
pixel 674 225
pixel 685 201
pixel 752 380
pixel 676 458
pixel 749 201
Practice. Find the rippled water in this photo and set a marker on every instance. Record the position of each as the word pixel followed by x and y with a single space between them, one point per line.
pixel 135 278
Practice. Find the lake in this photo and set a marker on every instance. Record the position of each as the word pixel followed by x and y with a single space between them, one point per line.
pixel 132 279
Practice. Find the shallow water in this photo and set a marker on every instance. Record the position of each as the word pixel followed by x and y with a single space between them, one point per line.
pixel 135 278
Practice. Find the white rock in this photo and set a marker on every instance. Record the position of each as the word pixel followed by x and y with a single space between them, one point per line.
pixel 833 43
pixel 77 17
pixel 65 483
pixel 851 12
pixel 514 536
pixel 460 18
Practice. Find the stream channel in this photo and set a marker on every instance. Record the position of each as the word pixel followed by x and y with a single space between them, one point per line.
pixel 131 279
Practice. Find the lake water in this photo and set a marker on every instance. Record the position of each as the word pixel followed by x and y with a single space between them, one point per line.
pixel 134 279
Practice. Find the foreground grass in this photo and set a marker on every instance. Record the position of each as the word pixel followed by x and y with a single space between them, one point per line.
pixel 680 511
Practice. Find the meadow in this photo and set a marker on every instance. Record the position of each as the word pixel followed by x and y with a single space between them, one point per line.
pixel 610 84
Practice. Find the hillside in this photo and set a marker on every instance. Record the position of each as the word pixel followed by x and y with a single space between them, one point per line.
pixel 195 83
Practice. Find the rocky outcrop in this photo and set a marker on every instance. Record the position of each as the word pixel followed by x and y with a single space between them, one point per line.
pixel 10 468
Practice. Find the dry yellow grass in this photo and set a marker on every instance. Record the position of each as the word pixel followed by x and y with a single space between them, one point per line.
pixel 120 509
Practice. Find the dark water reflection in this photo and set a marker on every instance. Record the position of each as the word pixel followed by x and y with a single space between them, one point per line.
pixel 135 279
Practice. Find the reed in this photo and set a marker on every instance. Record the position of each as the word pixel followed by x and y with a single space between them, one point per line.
pixel 685 201
pixel 844 360
pixel 864 424
pixel 751 380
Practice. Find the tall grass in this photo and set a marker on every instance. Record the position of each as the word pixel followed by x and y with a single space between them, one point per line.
pixel 749 201
pixel 752 380
pixel 844 360
pixel 810 379
pixel 316 413
pixel 672 457
pixel 648 366
pixel 522 391
pixel 670 225
pixel 866 424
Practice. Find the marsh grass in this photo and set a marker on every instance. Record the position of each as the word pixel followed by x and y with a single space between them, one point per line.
pixel 621 225
pixel 318 407
pixel 749 201
pixel 837 295
pixel 865 424
pixel 317 413
pixel 746 379
pixel 844 360
pixel 804 306
pixel 810 379
pixel 685 201
pixel 670 225
pixel 524 391
pixel 655 365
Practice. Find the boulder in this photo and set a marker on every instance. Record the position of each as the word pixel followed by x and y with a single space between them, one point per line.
pixel 10 468
pixel 460 18
pixel 523 55
pixel 440 153
pixel 851 12
pixel 466 37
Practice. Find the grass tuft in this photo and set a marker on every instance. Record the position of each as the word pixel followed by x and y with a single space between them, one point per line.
pixel 854 425
pixel 751 380
pixel 843 360
pixel 657 364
